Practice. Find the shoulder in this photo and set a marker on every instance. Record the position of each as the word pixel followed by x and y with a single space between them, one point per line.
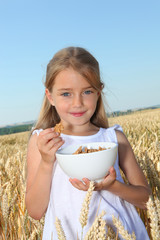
pixel 32 149
pixel 32 144
pixel 125 151
pixel 120 136
pixel 123 143
pixel 33 160
pixel 33 138
pixel 116 131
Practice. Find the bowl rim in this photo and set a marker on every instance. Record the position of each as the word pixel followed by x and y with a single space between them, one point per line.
pixel 84 144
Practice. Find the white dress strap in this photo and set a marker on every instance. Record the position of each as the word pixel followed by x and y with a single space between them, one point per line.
pixel 117 127
pixel 37 131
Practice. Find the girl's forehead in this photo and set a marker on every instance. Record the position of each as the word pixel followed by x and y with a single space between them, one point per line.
pixel 70 78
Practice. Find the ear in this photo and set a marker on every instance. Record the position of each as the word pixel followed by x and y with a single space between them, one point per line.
pixel 98 94
pixel 49 96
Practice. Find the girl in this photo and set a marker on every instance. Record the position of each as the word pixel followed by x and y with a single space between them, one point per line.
pixel 73 95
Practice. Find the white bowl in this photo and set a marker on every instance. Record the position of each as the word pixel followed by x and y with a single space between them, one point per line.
pixel 93 166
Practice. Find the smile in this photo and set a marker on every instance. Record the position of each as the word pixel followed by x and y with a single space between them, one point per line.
pixel 77 114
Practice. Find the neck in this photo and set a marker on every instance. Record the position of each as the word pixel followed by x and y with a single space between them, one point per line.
pixel 84 130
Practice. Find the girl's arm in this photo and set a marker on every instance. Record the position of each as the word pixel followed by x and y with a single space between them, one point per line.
pixel 138 191
pixel 40 162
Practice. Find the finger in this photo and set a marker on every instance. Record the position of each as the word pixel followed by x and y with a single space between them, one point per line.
pixel 73 183
pixel 47 137
pixel 78 184
pixel 86 181
pixel 51 152
pixel 45 131
pixel 58 145
pixel 112 171
pixel 53 142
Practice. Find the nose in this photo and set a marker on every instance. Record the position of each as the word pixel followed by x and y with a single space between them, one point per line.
pixel 77 101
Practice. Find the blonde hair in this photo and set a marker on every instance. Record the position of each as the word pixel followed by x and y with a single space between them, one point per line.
pixel 84 63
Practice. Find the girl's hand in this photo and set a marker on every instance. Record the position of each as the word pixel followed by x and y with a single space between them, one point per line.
pixel 105 184
pixel 48 143
pixel 108 181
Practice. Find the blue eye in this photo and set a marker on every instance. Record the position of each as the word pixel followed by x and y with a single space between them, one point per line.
pixel 66 94
pixel 87 92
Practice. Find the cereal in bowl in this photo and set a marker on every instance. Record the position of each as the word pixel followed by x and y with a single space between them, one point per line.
pixel 88 150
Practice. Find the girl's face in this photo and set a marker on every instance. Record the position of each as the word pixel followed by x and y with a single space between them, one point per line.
pixel 73 97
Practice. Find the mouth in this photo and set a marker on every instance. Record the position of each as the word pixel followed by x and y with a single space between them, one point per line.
pixel 77 114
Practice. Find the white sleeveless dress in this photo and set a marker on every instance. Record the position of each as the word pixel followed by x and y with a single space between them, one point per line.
pixel 66 201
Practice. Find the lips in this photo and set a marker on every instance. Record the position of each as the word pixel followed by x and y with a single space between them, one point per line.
pixel 77 114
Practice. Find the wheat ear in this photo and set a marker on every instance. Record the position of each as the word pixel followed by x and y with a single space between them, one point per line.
pixel 157 204
pixel 59 229
pixel 111 233
pixel 102 230
pixel 5 211
pixel 121 229
pixel 85 206
pixel 33 235
pixel 96 228
pixel 155 228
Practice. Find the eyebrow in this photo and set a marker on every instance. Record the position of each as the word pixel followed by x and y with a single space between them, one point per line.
pixel 69 89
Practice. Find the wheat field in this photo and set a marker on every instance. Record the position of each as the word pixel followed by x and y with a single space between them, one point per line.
pixel 142 130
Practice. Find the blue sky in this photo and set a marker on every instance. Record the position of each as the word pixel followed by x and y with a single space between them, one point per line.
pixel 124 36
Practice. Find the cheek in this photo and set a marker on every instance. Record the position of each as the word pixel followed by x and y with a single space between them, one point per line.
pixel 93 102
pixel 61 107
